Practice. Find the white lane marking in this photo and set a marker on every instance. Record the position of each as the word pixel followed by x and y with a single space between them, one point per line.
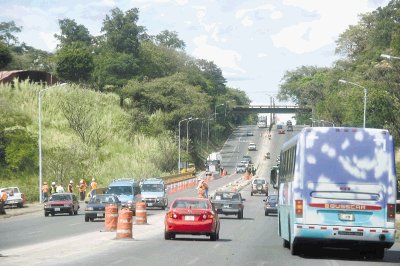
pixel 34 232
pixel 217 245
pixel 193 261
pixel 75 224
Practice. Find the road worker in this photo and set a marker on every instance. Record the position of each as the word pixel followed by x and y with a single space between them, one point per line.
pixel 70 187
pixel 82 189
pixel 60 189
pixel 93 187
pixel 202 189
pixel 45 191
pixel 53 188
pixel 3 200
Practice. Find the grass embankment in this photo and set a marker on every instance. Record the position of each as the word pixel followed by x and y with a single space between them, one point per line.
pixel 85 134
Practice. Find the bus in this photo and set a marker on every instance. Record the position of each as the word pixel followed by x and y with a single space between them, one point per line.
pixel 337 189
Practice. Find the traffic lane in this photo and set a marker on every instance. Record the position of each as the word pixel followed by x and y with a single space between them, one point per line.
pixel 242 242
pixel 34 228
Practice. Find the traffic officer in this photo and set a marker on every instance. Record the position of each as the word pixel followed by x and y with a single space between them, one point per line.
pixel 45 191
pixel 3 200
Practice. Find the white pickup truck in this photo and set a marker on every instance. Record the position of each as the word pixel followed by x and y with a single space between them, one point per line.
pixel 15 197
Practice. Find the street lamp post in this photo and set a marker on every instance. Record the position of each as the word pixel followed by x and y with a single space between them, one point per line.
pixel 215 110
pixel 365 95
pixel 179 144
pixel 227 105
pixel 187 133
pixel 40 94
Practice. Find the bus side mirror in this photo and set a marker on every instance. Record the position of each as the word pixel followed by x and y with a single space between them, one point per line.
pixel 273 178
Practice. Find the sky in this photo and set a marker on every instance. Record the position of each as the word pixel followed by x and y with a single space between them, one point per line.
pixel 254 42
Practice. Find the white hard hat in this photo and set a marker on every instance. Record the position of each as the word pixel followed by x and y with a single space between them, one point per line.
pixel 53 183
pixel 93 179
pixel 71 182
pixel 81 181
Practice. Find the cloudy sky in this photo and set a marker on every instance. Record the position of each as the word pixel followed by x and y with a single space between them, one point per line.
pixel 254 42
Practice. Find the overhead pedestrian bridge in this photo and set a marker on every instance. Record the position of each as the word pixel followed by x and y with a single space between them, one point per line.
pixel 275 109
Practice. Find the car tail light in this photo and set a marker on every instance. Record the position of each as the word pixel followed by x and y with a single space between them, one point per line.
pixel 299 208
pixel 173 215
pixel 391 212
pixel 208 215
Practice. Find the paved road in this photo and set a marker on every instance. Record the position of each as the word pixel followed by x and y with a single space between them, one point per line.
pixel 35 240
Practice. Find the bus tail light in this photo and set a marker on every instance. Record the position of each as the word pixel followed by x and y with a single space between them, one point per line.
pixel 299 208
pixel 391 212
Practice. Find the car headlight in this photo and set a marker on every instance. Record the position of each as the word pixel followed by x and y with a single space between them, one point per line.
pixel 89 209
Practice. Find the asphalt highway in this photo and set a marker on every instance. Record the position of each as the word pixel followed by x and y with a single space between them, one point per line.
pixel 33 239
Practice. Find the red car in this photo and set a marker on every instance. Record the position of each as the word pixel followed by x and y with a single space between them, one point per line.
pixel 191 216
pixel 61 203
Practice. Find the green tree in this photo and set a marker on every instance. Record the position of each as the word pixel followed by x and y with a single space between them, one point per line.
pixel 71 33
pixel 7 30
pixel 169 39
pixel 74 62
pixel 5 55
pixel 121 32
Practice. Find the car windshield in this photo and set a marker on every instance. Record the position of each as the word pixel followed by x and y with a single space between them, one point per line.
pixel 227 196
pixel 55 197
pixel 259 181
pixel 152 188
pixel 190 204
pixel 102 199
pixel 120 190
pixel 273 198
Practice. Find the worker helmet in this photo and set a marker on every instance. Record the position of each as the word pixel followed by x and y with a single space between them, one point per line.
pixel 93 179
pixel 81 181
pixel 53 183
pixel 71 182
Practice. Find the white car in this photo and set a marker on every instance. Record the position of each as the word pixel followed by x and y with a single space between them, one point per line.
pixel 252 146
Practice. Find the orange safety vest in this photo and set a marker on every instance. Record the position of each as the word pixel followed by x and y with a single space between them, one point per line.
pixel 45 188
pixel 93 185
pixel 4 196
pixel 82 187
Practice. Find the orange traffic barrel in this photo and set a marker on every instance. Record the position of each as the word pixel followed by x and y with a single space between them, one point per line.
pixel 141 213
pixel 110 223
pixel 124 226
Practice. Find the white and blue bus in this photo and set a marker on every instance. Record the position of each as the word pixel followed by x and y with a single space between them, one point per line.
pixel 337 188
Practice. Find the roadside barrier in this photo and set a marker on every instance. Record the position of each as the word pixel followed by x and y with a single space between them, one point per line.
pixel 141 213
pixel 110 223
pixel 124 226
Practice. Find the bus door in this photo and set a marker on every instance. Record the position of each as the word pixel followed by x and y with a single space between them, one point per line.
pixel 346 204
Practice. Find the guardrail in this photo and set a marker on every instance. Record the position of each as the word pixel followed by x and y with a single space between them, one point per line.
pixel 170 179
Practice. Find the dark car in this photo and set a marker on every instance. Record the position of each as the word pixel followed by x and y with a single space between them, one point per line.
pixel 271 204
pixel 61 203
pixel 96 207
pixel 228 203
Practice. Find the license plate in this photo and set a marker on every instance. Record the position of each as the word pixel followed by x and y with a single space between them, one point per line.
pixel 189 218
pixel 150 204
pixel 100 215
pixel 227 206
pixel 346 216
pixel 57 209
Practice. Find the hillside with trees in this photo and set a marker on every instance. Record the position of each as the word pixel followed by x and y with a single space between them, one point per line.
pixel 117 114
pixel 361 47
